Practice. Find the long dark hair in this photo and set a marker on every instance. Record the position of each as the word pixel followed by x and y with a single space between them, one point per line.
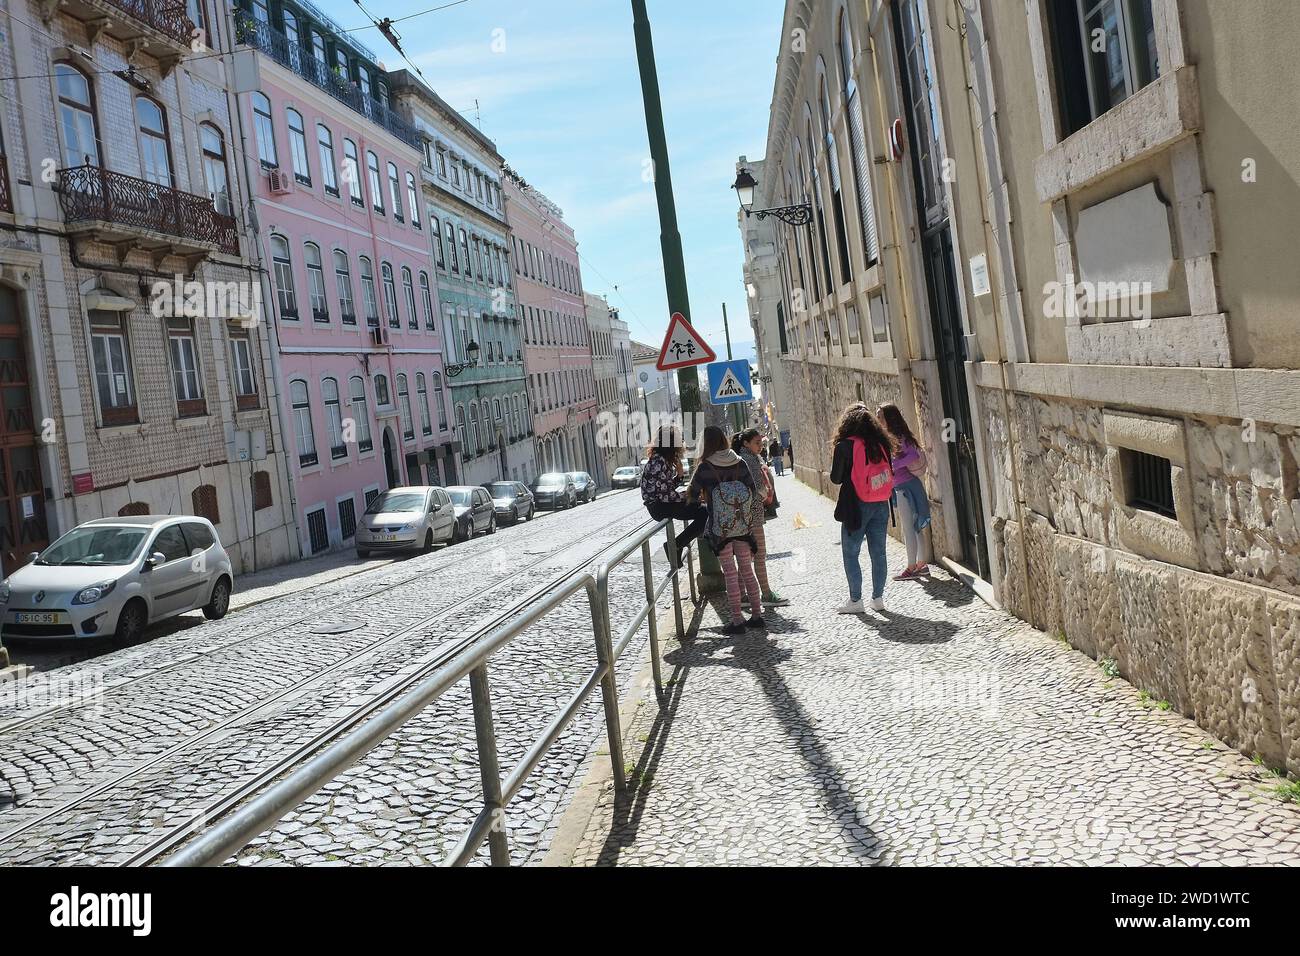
pixel 741 439
pixel 712 441
pixel 893 419
pixel 858 422
pixel 668 445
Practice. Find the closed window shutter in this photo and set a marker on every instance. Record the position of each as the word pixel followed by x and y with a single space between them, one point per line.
pixel 862 178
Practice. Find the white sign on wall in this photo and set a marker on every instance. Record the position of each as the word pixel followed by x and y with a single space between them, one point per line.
pixel 979 276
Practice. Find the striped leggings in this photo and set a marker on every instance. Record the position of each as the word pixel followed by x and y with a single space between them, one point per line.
pixel 760 560
pixel 737 569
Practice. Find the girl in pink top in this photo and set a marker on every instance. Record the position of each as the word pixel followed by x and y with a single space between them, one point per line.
pixel 860 465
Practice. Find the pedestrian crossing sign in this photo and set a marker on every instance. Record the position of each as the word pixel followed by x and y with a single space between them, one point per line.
pixel 729 382
pixel 683 346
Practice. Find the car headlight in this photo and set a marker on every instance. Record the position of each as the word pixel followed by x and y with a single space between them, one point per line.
pixel 93 593
pixel 410 526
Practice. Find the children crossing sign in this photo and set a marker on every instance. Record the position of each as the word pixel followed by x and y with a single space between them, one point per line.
pixel 683 346
pixel 729 382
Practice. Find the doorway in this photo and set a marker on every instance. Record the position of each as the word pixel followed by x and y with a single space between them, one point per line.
pixel 22 492
pixel 390 461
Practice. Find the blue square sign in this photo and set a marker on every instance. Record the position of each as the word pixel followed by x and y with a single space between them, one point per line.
pixel 729 382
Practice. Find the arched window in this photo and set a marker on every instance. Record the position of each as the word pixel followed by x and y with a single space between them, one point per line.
pixel 404 408
pixel 395 191
pixel 439 401
pixel 390 296
pixel 372 171
pixel 133 508
pixel 343 284
pixel 368 292
pixel 329 392
pixel 412 196
pixel 266 152
pixel 298 147
pixel 382 398
pixel 435 230
pixel 282 266
pixel 302 423
pixel 460 425
pixel 320 309
pixel 325 141
pixel 155 151
pixel 450 232
pixel 214 168
pixel 426 296
pixel 360 413
pixel 422 394
pixel 473 428
pixel 352 172
pixel 857 142
pixel 408 290
pixel 77 123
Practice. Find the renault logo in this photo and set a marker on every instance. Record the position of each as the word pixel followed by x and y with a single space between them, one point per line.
pixel 40 596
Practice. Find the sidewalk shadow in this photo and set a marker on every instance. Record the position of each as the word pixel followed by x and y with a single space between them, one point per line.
pixel 905 629
pixel 756 653
pixel 946 589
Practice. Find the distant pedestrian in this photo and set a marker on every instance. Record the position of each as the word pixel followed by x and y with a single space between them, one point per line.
pixel 777 454
pixel 909 492
pixel 860 465
pixel 789 447
pixel 749 446
pixel 724 481
pixel 660 475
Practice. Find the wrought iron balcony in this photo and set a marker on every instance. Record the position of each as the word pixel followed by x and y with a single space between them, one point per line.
pixel 6 196
pixel 133 213
pixel 302 60
pixel 160 28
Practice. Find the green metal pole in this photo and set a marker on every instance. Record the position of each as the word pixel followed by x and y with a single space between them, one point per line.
pixel 735 406
pixel 670 240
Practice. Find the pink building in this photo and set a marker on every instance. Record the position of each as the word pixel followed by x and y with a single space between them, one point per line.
pixel 557 346
pixel 345 239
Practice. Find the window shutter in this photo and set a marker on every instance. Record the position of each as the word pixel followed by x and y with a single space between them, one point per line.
pixel 862 178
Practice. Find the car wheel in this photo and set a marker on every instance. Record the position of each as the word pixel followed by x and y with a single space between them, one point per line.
pixel 492 525
pixel 132 621
pixel 462 532
pixel 532 510
pixel 514 516
pixel 362 553
pixel 217 607
pixel 428 541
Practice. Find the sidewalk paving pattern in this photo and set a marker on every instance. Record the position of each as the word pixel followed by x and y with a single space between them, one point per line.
pixel 942 731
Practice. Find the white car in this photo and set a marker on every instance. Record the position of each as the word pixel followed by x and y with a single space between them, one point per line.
pixel 402 519
pixel 116 576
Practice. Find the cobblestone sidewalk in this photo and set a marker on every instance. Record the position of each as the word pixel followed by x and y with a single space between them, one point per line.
pixel 942 731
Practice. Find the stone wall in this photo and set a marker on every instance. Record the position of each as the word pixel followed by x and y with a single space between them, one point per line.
pixel 1219 638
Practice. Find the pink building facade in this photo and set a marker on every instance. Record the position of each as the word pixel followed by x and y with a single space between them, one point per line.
pixel 557 344
pixel 353 291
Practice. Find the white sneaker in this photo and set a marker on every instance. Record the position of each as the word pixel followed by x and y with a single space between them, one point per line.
pixel 851 607
pixel 877 604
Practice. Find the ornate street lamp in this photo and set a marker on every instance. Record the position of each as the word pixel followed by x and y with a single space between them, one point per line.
pixel 471 351
pixel 799 214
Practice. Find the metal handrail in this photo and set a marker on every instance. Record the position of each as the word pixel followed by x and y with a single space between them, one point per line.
pixel 228 836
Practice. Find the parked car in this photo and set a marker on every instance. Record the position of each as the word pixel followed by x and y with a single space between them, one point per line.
pixel 629 476
pixel 584 486
pixel 402 519
pixel 555 490
pixel 116 576
pixel 512 500
pixel 474 511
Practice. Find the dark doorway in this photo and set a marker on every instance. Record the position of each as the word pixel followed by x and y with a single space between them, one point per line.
pixel 390 462
pixel 505 467
pixel 22 492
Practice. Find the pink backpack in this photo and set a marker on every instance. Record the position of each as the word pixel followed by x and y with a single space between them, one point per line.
pixel 879 476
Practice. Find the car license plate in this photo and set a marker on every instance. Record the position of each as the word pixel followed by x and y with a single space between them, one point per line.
pixel 38 617
pixel 387 537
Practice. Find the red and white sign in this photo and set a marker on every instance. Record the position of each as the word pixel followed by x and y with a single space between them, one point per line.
pixel 683 346
pixel 83 483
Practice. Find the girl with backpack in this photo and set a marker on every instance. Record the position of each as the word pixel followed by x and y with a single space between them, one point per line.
pixel 909 493
pixel 860 465
pixel 660 476
pixel 749 446
pixel 724 482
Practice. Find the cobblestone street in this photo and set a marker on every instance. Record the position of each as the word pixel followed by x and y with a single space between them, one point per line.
pixel 941 731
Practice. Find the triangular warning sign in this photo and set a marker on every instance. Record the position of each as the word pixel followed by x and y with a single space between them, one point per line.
pixel 730 386
pixel 683 346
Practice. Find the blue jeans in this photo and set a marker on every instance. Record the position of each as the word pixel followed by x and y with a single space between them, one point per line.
pixel 874 526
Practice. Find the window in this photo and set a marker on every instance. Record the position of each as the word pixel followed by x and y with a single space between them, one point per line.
pixel 911 29
pixel 879 319
pixel 1150 482
pixel 320 309
pixel 155 153
pixel 214 168
pixel 76 117
pixel 329 391
pixel 343 283
pixel 114 380
pixel 394 192
pixel 382 398
pixel 442 163
pixel 408 290
pixel 422 393
pixel 241 372
pixel 325 140
pixel 294 37
pixel 404 408
pixel 464 248
pixel 1104 51
pixel 460 425
pixel 376 191
pixel 318 51
pixel 352 173
pixel 260 485
pixel 857 142
pixel 473 429
pixel 298 147
pixel 435 230
pixel 412 200
pixel 281 265
pixel 438 399
pixel 186 380
pixel 265 130
pixel 360 414
pixel 426 295
pixel 450 232
pixel 478 257
pixel 347 518
pixel 317 531
pixel 302 423
pixel 368 292
pixel 455 173
pixel 390 296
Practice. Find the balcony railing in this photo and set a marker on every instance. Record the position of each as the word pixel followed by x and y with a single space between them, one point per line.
pixel 94 194
pixel 166 16
pixel 302 61
pixel 6 197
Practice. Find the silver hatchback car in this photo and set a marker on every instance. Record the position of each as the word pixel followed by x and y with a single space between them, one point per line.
pixel 402 519
pixel 116 576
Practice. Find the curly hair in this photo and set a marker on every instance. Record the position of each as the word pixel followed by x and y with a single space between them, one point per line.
pixel 669 445
pixel 858 422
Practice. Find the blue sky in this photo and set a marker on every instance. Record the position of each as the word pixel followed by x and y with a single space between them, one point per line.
pixel 562 101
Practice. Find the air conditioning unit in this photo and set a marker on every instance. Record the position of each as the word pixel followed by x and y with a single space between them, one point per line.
pixel 281 182
pixel 379 335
